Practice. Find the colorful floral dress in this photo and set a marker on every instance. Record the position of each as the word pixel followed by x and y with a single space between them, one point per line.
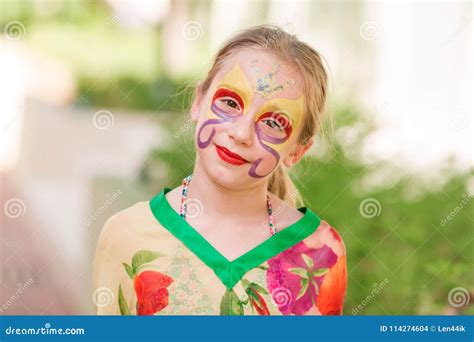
pixel 150 261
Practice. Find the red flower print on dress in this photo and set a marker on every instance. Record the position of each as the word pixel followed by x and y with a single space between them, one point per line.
pixel 152 295
pixel 294 277
pixel 150 286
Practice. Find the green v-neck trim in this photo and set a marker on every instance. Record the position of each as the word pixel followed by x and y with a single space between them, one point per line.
pixel 230 272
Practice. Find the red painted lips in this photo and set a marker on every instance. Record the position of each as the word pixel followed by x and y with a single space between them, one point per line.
pixel 230 157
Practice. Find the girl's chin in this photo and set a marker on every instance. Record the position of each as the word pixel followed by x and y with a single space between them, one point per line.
pixel 233 179
pixel 230 176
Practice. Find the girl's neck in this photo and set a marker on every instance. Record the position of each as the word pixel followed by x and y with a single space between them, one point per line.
pixel 218 200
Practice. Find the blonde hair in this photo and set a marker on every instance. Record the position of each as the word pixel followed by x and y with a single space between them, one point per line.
pixel 315 83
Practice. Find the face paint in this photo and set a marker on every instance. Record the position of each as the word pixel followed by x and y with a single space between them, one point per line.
pixel 276 139
pixel 228 90
pixel 279 119
pixel 273 125
pixel 266 84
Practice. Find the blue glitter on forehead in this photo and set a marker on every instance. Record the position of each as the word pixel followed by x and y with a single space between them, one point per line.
pixel 266 83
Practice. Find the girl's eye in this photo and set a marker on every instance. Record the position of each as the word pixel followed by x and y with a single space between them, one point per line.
pixel 273 124
pixel 228 101
pixel 231 103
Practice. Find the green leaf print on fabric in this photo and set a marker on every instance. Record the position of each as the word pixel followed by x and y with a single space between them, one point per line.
pixel 143 257
pixel 258 288
pixel 307 276
pixel 124 310
pixel 320 271
pixel 231 304
pixel 128 269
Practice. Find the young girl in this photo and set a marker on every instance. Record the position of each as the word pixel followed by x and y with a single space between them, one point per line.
pixel 230 241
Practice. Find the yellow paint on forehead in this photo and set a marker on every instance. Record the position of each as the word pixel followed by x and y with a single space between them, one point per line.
pixel 236 80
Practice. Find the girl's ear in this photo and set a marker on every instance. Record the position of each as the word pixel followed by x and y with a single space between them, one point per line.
pixel 196 106
pixel 297 153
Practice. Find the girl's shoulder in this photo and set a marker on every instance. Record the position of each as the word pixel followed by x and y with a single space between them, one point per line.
pixel 313 267
pixel 128 228
pixel 325 234
pixel 121 221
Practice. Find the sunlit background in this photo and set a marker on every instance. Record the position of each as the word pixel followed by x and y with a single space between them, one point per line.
pixel 94 96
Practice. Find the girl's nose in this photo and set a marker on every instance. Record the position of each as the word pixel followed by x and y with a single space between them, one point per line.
pixel 242 130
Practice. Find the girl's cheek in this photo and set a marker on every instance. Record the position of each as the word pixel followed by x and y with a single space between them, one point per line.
pixel 208 128
pixel 266 166
pixel 210 114
pixel 279 148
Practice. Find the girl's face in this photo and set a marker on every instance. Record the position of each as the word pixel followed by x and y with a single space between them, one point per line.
pixel 249 119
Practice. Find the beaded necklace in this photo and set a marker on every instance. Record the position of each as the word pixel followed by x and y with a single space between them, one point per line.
pixel 184 195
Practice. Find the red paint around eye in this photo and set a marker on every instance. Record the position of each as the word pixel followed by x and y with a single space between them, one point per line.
pixel 281 119
pixel 222 92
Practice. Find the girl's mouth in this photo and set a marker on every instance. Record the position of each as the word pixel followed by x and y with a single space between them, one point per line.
pixel 230 157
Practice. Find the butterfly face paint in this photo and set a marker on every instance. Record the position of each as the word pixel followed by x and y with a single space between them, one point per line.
pixel 275 121
pixel 232 88
pixel 274 128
